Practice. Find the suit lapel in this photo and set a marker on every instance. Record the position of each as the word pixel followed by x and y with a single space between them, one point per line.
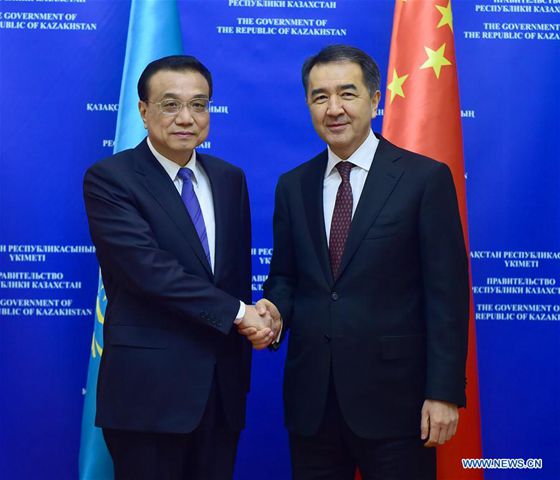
pixel 220 189
pixel 382 178
pixel 161 187
pixel 312 192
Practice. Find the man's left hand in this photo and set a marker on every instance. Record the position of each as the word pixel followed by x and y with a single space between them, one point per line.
pixel 439 422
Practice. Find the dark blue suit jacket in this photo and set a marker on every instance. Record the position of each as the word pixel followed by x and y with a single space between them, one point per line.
pixel 169 321
pixel 393 325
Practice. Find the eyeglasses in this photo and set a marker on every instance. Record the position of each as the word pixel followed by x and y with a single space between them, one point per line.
pixel 171 106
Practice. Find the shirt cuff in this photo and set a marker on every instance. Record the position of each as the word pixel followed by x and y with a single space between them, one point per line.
pixel 277 340
pixel 240 313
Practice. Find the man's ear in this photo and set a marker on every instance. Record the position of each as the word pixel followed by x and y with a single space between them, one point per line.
pixel 375 103
pixel 143 108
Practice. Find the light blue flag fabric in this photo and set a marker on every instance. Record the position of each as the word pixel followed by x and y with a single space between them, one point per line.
pixel 95 462
pixel 154 31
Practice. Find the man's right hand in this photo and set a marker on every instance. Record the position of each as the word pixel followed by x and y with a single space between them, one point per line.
pixel 257 328
pixel 263 337
pixel 265 306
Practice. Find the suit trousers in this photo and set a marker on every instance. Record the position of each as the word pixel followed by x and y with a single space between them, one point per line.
pixel 334 452
pixel 207 453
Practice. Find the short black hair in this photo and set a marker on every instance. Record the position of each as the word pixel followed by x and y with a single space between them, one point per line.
pixel 345 53
pixel 175 63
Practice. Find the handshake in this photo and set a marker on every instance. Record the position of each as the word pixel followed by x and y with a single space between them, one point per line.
pixel 261 324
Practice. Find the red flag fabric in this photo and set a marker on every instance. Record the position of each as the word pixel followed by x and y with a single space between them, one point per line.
pixel 422 114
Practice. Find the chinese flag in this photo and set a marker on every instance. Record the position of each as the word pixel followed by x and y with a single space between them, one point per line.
pixel 422 114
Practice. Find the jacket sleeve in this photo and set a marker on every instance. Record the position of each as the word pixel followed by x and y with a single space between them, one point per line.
pixel 246 234
pixel 280 285
pixel 446 288
pixel 127 250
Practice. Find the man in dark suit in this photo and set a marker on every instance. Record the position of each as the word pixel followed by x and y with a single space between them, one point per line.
pixel 369 274
pixel 171 228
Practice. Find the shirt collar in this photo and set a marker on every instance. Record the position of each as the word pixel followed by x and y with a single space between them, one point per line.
pixel 362 157
pixel 171 167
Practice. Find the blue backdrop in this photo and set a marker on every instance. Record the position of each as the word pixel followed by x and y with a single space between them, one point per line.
pixel 60 74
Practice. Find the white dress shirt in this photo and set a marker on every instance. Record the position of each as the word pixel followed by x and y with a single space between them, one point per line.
pixel 202 189
pixel 362 158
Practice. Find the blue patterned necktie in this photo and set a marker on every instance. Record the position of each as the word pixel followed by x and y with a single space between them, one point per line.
pixel 193 207
pixel 342 217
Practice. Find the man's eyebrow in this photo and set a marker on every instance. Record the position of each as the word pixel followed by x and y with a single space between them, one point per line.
pixel 316 91
pixel 347 86
pixel 178 97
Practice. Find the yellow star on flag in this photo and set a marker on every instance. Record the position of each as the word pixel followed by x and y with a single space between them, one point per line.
pixel 396 84
pixel 436 59
pixel 446 16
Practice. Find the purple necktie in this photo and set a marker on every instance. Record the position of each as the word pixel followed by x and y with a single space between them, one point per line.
pixel 193 207
pixel 342 217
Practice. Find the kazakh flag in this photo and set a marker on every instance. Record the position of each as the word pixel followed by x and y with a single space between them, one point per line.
pixel 154 31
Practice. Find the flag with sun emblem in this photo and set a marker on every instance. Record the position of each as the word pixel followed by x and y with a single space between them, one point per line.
pixel 154 31
pixel 422 114
pixel 95 462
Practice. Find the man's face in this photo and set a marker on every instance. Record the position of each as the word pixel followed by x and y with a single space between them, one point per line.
pixel 175 136
pixel 340 105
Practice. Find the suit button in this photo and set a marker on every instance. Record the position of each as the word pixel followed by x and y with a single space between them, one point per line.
pixel 334 296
